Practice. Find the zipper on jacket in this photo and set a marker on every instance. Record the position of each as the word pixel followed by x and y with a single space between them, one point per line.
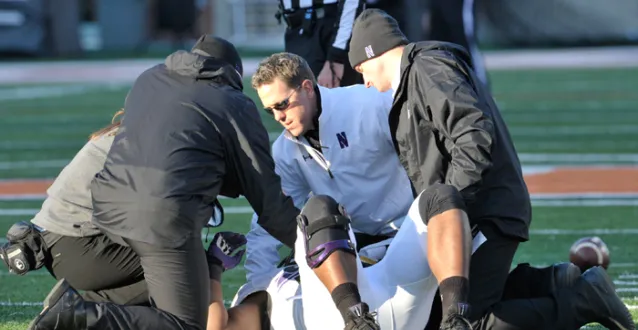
pixel 316 155
pixel 319 158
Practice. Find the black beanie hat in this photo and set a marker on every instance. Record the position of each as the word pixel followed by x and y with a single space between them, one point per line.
pixel 374 33
pixel 219 48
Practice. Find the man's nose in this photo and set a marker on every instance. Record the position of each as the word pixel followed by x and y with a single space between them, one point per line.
pixel 279 115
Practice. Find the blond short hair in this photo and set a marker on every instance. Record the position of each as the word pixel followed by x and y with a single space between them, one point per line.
pixel 290 68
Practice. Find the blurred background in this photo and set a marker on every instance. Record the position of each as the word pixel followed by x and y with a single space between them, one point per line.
pixel 75 27
pixel 563 72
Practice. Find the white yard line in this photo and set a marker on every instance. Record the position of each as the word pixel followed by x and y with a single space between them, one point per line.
pixel 531 145
pixel 27 197
pixel 20 303
pixel 628 276
pixel 586 195
pixel 585 202
pixel 601 57
pixel 609 130
pixel 577 158
pixel 625 265
pixel 6 273
pixel 37 92
pixel 596 231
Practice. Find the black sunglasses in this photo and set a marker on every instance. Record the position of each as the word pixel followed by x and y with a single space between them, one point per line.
pixel 282 105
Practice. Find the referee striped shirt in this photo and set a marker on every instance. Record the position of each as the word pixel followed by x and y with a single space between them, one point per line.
pixel 347 12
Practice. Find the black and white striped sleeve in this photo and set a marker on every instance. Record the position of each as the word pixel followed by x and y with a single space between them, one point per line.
pixel 348 11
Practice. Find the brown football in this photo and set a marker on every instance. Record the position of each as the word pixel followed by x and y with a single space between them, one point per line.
pixel 589 252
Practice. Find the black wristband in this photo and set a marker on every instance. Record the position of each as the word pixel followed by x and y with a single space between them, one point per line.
pixel 215 271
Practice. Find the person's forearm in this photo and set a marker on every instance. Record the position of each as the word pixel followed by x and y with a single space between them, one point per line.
pixel 217 314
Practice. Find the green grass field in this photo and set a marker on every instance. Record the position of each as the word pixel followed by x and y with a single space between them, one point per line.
pixel 556 117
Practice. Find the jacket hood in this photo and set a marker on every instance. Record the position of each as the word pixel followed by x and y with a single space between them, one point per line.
pixel 202 67
pixel 429 46
pixel 443 51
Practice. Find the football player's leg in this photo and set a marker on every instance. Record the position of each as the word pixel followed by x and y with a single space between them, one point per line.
pixel 331 254
pixel 403 283
pixel 442 209
pixel 412 283
pixel 284 304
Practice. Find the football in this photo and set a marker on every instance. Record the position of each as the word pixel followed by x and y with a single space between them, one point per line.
pixel 589 252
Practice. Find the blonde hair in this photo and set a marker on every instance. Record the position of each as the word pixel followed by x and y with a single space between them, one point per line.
pixel 111 128
pixel 290 68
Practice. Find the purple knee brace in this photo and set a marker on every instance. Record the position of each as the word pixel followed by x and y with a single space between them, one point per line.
pixel 320 253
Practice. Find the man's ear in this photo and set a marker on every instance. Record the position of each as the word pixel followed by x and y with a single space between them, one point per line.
pixel 309 87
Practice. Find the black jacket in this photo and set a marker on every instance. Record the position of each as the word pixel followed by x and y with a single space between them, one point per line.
pixel 188 135
pixel 447 129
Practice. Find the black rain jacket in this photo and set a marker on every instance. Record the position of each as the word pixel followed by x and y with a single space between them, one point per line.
pixel 188 135
pixel 447 129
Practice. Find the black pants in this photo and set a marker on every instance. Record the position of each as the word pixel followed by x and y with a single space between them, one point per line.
pixel 178 286
pixel 496 305
pixel 104 270
pixel 314 46
pixel 453 21
pixel 500 299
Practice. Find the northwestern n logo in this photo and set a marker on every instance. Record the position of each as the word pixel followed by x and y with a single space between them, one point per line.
pixel 343 140
pixel 369 52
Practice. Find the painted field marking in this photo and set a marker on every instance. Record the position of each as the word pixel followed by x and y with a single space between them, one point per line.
pixel 37 92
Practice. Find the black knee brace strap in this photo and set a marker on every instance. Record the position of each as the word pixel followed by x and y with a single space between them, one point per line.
pixel 325 235
pixel 437 199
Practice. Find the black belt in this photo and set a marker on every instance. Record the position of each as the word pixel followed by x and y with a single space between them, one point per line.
pixel 364 240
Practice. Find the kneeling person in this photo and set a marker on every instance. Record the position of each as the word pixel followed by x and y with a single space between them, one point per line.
pixel 62 239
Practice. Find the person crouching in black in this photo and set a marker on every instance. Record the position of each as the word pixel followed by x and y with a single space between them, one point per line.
pixel 188 135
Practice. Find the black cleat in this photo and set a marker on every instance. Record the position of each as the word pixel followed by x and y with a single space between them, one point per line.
pixel 360 318
pixel 609 309
pixel 63 309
